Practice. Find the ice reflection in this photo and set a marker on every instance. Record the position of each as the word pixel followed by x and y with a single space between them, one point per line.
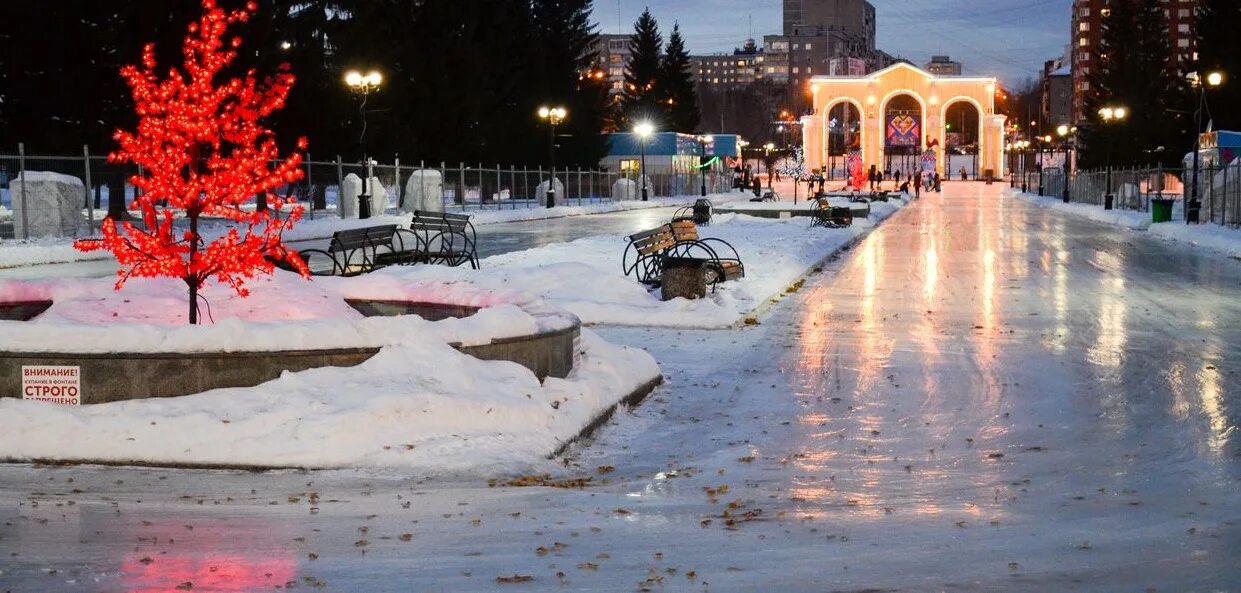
pixel 205 558
pixel 1213 404
pixel 1109 346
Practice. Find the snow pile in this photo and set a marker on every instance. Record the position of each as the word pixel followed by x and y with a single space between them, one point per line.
pixel 1223 239
pixel 421 405
pixel 5 213
pixel 33 252
pixel 418 404
pixel 1126 218
pixel 585 277
pixel 149 315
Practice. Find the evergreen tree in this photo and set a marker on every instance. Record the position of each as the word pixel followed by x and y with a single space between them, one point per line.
pixel 677 85
pixel 1219 22
pixel 640 99
pixel 567 43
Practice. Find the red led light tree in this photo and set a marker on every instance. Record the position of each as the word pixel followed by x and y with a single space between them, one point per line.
pixel 202 150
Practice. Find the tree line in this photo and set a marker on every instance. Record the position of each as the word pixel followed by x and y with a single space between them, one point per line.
pixel 1139 70
pixel 463 80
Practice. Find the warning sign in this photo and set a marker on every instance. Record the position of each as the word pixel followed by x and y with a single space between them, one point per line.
pixel 53 384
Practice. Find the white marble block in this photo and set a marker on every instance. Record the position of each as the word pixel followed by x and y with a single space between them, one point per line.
pixel 351 188
pixel 52 206
pixel 424 191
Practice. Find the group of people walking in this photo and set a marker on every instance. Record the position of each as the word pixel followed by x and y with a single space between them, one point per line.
pixel 932 182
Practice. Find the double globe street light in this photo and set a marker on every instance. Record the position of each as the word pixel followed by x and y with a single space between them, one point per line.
pixel 1110 115
pixel 1211 80
pixel 553 116
pixel 363 85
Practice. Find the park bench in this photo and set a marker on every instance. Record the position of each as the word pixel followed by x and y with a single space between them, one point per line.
pixel 832 217
pixel 699 213
pixel 645 254
pixel 444 238
pixel 358 251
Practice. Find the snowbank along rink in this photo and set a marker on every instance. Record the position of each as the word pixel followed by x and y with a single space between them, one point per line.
pixel 981 395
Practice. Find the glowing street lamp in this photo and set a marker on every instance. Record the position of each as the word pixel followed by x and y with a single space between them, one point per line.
pixel 1212 80
pixel 703 141
pixel 553 116
pixel 363 85
pixel 1111 115
pixel 644 131
pixel 1067 134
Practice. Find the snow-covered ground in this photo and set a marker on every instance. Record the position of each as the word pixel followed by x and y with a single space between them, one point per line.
pixel 1210 236
pixel 983 396
pixel 586 276
pixel 418 404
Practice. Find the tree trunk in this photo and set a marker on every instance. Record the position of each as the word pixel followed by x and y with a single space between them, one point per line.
pixel 193 281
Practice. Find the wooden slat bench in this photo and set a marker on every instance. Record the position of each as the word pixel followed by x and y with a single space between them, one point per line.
pixel 358 251
pixel 646 251
pixel 445 238
pixel 833 217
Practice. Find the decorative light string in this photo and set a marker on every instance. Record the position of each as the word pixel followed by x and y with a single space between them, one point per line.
pixel 202 149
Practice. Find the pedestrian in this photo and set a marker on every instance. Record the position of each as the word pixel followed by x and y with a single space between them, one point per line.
pixel 871 176
pixel 822 179
pixel 938 188
pixel 896 178
pixel 964 177
pixel 918 185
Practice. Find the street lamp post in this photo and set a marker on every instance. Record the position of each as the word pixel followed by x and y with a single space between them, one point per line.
pixel 363 85
pixel 553 116
pixel 1111 115
pixel 1023 146
pixel 1212 79
pixel 644 130
pixel 1046 143
pixel 1065 132
pixel 703 141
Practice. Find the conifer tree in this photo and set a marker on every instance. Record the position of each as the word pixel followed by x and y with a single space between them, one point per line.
pixel 640 99
pixel 678 85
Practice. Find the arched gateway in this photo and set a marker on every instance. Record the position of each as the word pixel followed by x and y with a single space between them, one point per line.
pixel 904 111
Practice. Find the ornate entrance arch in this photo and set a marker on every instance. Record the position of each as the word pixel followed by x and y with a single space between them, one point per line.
pixel 963 125
pixel 935 95
pixel 842 131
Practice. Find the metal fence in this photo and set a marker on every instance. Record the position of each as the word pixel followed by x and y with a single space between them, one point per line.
pixel 1219 189
pixel 68 196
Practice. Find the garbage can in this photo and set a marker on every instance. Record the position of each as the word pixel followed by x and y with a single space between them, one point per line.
pixel 1161 210
pixel 702 211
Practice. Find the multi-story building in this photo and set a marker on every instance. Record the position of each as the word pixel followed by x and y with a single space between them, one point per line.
pixel 613 55
pixel 742 67
pixel 943 66
pixel 809 18
pixel 1087 39
pixel 1056 107
pixel 818 31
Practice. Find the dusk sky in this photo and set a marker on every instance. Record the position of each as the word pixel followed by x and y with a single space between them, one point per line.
pixel 1006 38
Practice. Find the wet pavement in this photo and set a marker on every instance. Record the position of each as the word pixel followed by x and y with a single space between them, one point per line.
pixel 981 396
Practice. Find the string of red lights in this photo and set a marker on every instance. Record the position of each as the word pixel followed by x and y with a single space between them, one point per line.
pixel 202 149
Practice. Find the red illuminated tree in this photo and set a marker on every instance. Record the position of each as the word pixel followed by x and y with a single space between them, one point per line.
pixel 202 150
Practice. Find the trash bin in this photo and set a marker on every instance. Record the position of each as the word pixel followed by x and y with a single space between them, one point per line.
pixel 702 211
pixel 1161 210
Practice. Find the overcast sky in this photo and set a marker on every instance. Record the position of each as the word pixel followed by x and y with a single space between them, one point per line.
pixel 1005 38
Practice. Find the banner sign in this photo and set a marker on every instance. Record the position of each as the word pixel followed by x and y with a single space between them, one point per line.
pixel 904 130
pixel 54 384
